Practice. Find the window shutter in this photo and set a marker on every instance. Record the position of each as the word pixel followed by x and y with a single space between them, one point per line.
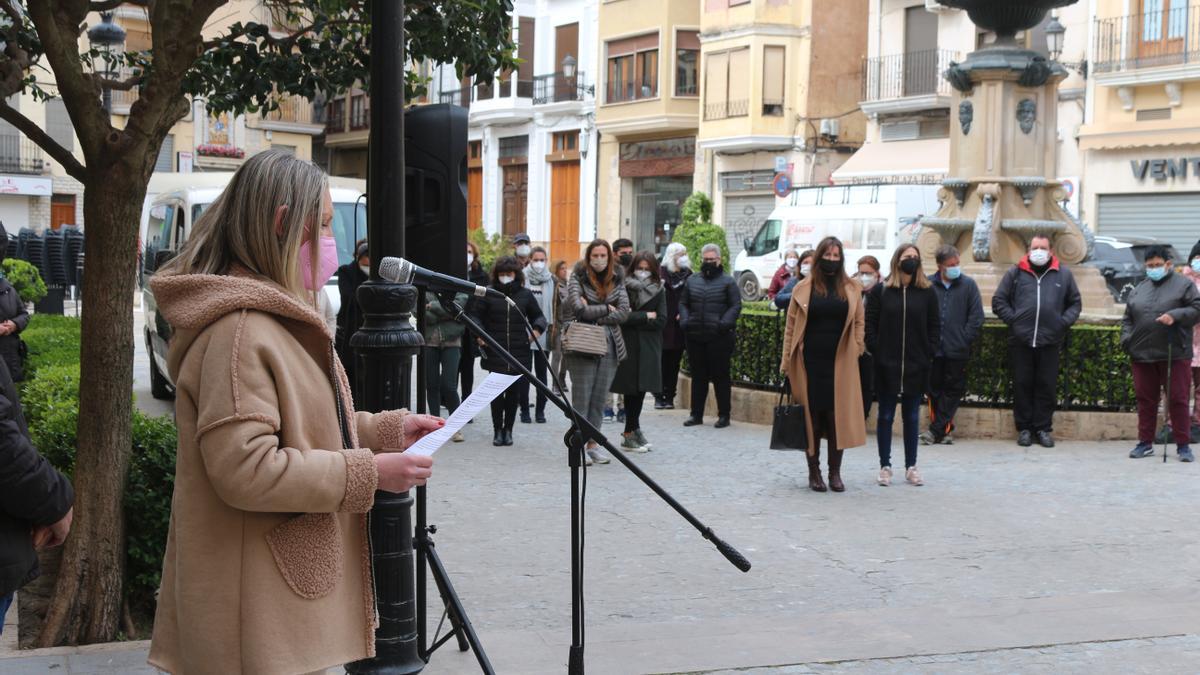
pixel 773 74
pixel 739 84
pixel 716 78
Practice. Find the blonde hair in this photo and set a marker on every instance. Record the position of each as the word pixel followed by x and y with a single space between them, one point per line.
pixel 238 229
pixel 919 279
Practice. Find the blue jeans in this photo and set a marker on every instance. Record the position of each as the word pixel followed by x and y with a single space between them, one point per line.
pixel 910 412
pixel 5 602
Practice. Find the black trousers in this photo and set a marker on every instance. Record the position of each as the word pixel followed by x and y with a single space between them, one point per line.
pixel 709 362
pixel 466 371
pixel 670 372
pixel 1035 385
pixel 633 411
pixel 540 365
pixel 866 379
pixel 504 406
pixel 947 384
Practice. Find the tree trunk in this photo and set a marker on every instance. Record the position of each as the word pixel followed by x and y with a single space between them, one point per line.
pixel 86 606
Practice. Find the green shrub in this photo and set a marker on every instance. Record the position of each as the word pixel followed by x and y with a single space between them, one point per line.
pixel 490 247
pixel 148 505
pixel 25 278
pixel 52 340
pixel 1094 374
pixel 696 229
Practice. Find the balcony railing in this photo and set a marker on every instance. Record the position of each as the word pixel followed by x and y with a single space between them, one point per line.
pixel 503 89
pixel 460 97
pixel 556 88
pixel 293 110
pixel 20 155
pixel 622 92
pixel 1167 37
pixel 726 109
pixel 903 75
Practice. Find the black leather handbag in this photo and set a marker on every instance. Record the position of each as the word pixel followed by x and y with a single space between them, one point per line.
pixel 789 431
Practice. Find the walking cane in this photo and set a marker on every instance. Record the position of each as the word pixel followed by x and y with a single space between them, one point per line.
pixel 1167 409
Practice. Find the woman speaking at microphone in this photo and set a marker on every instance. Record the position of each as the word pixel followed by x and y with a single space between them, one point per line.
pixel 267 567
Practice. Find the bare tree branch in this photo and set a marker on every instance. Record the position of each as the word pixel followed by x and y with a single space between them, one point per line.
pixel 34 133
pixel 13 13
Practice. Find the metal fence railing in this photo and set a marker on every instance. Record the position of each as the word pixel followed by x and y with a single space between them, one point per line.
pixel 20 155
pixel 902 75
pixel 557 88
pixel 726 109
pixel 1166 37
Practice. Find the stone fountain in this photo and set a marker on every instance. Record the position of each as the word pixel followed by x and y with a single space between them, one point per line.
pixel 1003 144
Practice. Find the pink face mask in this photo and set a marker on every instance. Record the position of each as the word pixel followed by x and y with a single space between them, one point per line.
pixel 327 261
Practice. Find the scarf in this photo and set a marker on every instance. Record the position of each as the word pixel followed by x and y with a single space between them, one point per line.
pixel 676 279
pixel 642 292
pixel 536 278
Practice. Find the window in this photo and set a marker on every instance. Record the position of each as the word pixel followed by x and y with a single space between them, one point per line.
pixel 566 141
pixel 767 239
pixel 335 116
pixel 632 69
pixel 58 124
pixel 726 91
pixel 475 150
pixel 360 115
pixel 687 59
pixel 514 146
pixel 773 81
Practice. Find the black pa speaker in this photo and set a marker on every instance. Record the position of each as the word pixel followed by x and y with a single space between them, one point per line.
pixel 435 188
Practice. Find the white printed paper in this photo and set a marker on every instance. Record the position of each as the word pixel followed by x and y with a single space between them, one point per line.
pixel 493 385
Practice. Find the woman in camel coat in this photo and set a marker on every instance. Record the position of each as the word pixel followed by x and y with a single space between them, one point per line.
pixel 267 566
pixel 836 331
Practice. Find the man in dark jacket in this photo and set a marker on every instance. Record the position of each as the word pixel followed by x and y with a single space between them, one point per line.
pixel 350 316
pixel 708 310
pixel 35 499
pixel 1039 301
pixel 1156 331
pixel 961 310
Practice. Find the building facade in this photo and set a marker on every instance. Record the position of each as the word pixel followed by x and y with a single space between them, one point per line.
pixel 647 115
pixel 1142 133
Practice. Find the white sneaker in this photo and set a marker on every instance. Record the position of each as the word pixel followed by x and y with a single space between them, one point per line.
pixel 913 476
pixel 597 456
pixel 885 476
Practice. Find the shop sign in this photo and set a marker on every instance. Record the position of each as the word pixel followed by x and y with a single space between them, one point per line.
pixel 1162 169
pixel 24 185
pixel 668 148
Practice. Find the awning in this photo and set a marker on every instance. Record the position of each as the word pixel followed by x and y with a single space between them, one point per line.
pixel 896 159
pixel 1099 140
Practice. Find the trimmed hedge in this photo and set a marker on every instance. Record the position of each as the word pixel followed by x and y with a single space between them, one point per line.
pixel 50 399
pixel 1094 374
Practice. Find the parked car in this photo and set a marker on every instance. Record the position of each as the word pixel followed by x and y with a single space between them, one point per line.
pixel 170 218
pixel 869 219
pixel 1122 262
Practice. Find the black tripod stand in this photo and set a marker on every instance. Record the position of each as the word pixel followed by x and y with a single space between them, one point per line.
pixel 576 438
pixel 429 561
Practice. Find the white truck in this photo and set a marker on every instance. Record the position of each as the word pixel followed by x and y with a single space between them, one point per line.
pixel 869 219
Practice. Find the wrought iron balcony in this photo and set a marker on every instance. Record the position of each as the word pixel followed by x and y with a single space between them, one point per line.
pixel 726 109
pixel 1168 37
pixel 459 97
pixel 557 88
pixel 293 110
pixel 20 155
pixel 904 75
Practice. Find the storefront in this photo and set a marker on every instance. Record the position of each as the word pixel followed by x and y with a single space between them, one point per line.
pixel 1146 192
pixel 657 175
pixel 23 200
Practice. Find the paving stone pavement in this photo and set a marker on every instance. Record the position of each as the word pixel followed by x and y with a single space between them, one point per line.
pixel 1071 559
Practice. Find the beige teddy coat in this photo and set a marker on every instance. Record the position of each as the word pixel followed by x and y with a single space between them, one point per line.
pixel 267 567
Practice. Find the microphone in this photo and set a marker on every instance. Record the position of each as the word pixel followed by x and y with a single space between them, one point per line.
pixel 401 271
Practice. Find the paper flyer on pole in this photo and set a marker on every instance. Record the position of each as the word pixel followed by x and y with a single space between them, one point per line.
pixel 492 386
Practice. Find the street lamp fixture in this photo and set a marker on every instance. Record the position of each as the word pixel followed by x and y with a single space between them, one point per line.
pixel 569 70
pixel 1055 32
pixel 110 38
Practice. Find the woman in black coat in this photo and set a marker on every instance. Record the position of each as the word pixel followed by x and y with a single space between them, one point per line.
pixel 350 317
pixel 903 324
pixel 507 326
pixel 642 331
pixel 13 319
pixel 477 275
pixel 676 268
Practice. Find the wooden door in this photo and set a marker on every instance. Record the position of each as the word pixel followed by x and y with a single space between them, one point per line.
pixel 920 51
pixel 564 211
pixel 516 191
pixel 1161 28
pixel 474 199
pixel 62 211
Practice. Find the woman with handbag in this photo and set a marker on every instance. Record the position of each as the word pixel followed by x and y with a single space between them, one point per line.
pixel 821 345
pixel 596 306
pixel 903 324
pixel 506 325
pixel 643 333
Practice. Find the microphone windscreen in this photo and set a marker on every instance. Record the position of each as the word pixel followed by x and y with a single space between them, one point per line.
pixel 397 270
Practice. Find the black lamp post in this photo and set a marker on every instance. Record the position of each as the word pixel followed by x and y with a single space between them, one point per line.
pixel 109 37
pixel 386 343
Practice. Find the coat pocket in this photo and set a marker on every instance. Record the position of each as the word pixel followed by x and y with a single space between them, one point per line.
pixel 308 552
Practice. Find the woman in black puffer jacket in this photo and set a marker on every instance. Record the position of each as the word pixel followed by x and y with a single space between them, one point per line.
pixel 13 319
pixel 507 326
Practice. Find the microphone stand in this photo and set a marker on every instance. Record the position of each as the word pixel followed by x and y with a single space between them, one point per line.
pixel 575 439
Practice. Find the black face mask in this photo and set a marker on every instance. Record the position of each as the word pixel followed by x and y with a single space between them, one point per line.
pixel 625 259
pixel 910 265
pixel 830 267
pixel 710 269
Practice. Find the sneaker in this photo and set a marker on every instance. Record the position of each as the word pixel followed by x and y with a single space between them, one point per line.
pixel 913 476
pixel 1141 450
pixel 927 438
pixel 608 414
pixel 1025 439
pixel 948 439
pixel 629 443
pixel 597 456
pixel 620 414
pixel 587 459
pixel 1185 454
pixel 885 476
pixel 658 403
pixel 641 438
pixel 457 437
pixel 1045 440
pixel 669 403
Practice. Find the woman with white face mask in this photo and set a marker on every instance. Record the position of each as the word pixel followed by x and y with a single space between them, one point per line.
pixel 675 270
pixel 789 270
pixel 541 283
pixel 868 276
pixel 642 330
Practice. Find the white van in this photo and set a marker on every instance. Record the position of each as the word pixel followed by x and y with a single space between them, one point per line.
pixel 869 219
pixel 169 221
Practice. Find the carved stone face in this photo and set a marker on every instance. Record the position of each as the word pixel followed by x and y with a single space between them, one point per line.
pixel 1027 114
pixel 966 114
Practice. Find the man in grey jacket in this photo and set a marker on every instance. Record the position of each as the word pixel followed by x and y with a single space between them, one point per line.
pixel 1039 301
pixel 961 310
pixel 1156 331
